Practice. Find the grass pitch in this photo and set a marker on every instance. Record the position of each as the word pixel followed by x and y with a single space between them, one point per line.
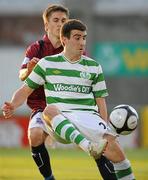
pixel 17 164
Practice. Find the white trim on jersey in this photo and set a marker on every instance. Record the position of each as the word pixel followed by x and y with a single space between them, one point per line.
pixel 25 61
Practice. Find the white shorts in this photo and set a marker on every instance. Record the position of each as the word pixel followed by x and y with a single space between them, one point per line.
pixel 37 122
pixel 90 124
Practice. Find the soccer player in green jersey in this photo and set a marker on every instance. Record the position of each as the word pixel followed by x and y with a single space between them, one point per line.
pixel 53 17
pixel 75 93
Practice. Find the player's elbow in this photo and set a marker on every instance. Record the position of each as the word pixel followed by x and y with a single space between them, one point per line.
pixel 23 74
pixel 21 78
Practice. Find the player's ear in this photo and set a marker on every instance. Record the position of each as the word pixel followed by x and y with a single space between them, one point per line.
pixel 46 26
pixel 63 40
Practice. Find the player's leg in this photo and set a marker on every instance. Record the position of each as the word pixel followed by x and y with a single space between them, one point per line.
pixel 95 129
pixel 67 131
pixel 88 124
pixel 106 168
pixel 121 164
pixel 37 136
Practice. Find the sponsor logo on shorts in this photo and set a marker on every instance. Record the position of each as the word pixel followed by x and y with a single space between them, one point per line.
pixel 39 121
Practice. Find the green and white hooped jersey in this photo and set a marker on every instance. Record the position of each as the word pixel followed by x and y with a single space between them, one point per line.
pixel 69 86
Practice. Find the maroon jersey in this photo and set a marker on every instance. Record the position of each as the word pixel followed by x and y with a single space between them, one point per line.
pixel 39 49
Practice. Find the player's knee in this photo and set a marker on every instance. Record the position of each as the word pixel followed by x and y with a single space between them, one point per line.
pixel 110 137
pixel 50 112
pixel 113 150
pixel 35 136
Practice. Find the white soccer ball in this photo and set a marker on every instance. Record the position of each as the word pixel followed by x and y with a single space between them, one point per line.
pixel 123 119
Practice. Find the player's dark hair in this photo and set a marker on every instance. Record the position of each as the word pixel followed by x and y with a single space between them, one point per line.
pixel 72 24
pixel 54 8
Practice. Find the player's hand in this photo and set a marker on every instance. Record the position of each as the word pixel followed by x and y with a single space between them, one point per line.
pixel 32 63
pixel 7 110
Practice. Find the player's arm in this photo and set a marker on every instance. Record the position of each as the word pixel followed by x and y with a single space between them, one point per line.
pixel 24 73
pixel 18 98
pixel 101 103
pixel 100 92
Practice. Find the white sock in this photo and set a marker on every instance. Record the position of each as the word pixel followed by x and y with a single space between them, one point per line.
pixel 123 170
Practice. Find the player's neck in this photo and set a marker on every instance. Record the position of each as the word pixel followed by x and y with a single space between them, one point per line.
pixel 54 41
pixel 71 57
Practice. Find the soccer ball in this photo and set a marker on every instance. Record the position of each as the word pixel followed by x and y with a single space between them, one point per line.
pixel 123 119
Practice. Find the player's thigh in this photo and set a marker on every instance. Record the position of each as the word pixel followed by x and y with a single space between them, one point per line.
pixel 37 130
pixel 36 136
pixel 89 124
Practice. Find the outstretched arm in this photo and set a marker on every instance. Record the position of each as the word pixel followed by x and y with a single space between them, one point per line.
pixel 101 103
pixel 18 98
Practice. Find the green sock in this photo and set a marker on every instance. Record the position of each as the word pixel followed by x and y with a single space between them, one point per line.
pixel 123 170
pixel 67 131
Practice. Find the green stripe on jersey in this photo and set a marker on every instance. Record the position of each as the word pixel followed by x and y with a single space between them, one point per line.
pixel 99 78
pixel 55 58
pixel 31 84
pixel 38 70
pixel 65 72
pixel 88 102
pixel 101 93
pixel 80 109
pixel 83 61
pixel 88 62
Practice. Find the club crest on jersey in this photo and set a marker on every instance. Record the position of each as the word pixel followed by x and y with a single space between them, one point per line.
pixel 85 75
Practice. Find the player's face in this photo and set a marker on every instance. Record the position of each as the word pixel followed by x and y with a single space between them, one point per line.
pixel 76 43
pixel 55 22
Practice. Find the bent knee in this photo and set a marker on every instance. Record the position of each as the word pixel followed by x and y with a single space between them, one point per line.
pixel 109 137
pixel 114 151
pixel 36 136
pixel 50 112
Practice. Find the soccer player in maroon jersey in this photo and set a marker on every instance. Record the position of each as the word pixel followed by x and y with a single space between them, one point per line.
pixel 54 16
